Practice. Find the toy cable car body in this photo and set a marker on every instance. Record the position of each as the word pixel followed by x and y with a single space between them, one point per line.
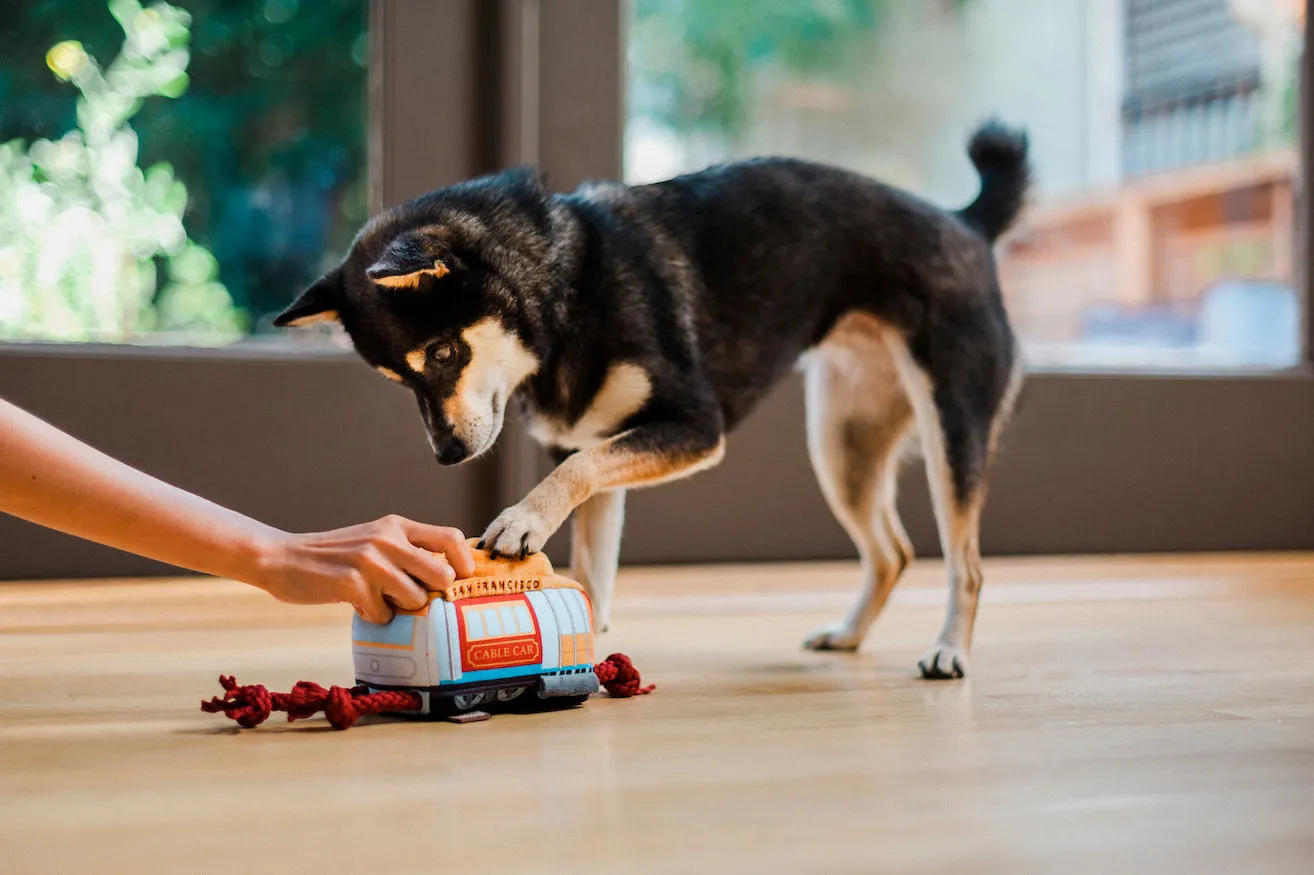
pixel 512 632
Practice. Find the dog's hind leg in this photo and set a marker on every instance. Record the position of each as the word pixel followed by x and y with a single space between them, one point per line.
pixel 858 422
pixel 960 404
pixel 595 550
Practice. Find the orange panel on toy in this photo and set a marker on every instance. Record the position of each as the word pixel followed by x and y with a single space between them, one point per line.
pixel 536 565
pixel 493 577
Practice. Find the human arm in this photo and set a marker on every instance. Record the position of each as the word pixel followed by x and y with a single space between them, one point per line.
pixel 52 479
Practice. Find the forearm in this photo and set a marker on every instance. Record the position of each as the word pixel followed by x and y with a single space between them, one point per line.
pixel 50 478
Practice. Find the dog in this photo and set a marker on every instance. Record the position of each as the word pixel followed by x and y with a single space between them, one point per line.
pixel 637 325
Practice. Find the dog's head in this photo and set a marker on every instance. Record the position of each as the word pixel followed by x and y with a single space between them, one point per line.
pixel 432 295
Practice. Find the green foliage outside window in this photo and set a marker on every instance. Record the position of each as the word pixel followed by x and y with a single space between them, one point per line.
pixel 692 59
pixel 82 225
pixel 240 121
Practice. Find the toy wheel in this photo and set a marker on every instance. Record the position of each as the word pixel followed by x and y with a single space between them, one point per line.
pixel 508 693
pixel 466 701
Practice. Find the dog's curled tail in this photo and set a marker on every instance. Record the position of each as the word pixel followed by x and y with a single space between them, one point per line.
pixel 999 154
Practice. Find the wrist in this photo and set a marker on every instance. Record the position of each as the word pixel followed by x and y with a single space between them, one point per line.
pixel 256 554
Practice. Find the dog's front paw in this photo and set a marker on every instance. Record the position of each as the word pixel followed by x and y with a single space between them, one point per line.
pixel 837 636
pixel 943 662
pixel 517 532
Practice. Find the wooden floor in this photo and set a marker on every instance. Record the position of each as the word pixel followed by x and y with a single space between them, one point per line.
pixel 1139 715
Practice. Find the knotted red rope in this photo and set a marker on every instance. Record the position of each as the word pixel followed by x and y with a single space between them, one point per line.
pixel 251 705
pixel 620 677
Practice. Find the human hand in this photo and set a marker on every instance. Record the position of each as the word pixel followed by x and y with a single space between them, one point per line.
pixel 376 567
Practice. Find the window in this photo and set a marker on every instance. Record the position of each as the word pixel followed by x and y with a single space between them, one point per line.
pixel 499 620
pixel 508 617
pixel 474 623
pixel 1162 232
pixel 1099 461
pixel 523 621
pixel 493 622
pixel 174 173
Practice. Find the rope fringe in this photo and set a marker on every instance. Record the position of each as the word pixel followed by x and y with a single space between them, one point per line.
pixel 252 704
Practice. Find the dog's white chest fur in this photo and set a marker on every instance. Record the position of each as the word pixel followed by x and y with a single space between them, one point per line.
pixel 624 391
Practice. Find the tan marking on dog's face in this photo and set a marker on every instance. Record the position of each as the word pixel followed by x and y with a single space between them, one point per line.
pixel 389 373
pixel 412 280
pixel 623 393
pixel 416 359
pixel 316 319
pixel 498 364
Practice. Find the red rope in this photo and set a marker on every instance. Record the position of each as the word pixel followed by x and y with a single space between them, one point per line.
pixel 251 705
pixel 620 677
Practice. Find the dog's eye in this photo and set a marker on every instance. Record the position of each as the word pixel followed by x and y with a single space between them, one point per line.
pixel 442 353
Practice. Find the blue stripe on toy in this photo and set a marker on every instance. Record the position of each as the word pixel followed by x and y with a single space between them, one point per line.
pixel 497 674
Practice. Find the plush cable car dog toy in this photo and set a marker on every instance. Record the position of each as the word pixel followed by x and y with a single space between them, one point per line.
pixel 515 635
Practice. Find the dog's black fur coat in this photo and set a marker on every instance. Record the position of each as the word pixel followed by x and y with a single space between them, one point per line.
pixel 714 283
pixel 638 325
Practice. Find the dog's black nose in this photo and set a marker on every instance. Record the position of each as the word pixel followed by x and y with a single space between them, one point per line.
pixel 450 451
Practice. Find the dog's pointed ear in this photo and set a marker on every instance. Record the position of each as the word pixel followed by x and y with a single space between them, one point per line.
pixel 319 303
pixel 408 260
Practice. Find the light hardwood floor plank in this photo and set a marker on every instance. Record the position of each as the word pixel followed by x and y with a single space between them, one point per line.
pixel 1122 715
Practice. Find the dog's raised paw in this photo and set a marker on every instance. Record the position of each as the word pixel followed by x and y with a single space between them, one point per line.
pixel 837 636
pixel 516 533
pixel 943 662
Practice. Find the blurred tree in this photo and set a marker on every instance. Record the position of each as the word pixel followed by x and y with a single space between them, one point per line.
pixel 692 59
pixel 82 226
pixel 270 136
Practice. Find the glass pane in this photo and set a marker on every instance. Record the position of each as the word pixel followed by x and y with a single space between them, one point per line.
pixel 474 623
pixel 493 622
pixel 509 622
pixel 174 173
pixel 1163 132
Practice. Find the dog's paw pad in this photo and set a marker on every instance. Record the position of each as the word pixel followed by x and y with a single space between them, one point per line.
pixel 943 662
pixel 834 637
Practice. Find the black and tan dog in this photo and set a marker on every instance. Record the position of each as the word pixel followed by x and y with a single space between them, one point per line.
pixel 638 325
